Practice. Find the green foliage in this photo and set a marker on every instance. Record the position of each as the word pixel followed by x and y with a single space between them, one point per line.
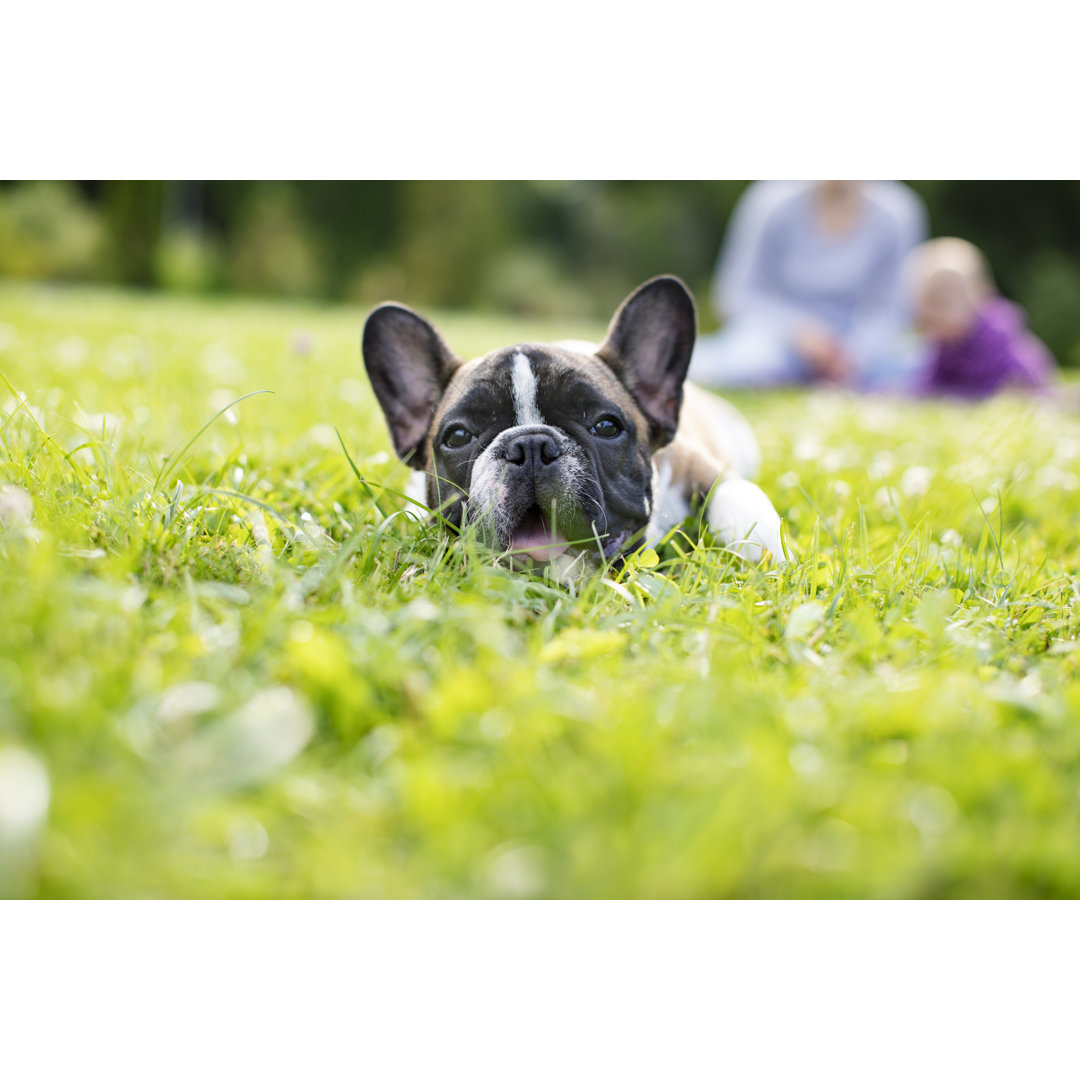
pixel 531 248
pixel 1049 295
pixel 227 667
pixel 272 250
pixel 187 261
pixel 47 231
pixel 134 214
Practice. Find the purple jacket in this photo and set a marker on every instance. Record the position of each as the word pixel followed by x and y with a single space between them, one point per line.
pixel 999 352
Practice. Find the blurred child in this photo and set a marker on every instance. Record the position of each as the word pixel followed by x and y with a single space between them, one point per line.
pixel 978 343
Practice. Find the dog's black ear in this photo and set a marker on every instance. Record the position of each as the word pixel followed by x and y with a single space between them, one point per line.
pixel 409 366
pixel 648 345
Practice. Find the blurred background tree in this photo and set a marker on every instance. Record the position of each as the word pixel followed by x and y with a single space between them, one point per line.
pixel 566 248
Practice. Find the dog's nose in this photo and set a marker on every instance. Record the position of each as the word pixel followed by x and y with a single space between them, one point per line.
pixel 533 450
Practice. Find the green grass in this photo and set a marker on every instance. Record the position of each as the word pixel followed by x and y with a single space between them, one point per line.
pixel 246 673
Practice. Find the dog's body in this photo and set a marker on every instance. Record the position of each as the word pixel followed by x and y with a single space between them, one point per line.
pixel 556 451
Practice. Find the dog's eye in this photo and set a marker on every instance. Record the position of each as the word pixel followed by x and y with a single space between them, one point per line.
pixel 457 436
pixel 607 427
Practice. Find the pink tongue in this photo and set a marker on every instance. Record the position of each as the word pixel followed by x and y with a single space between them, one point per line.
pixel 535 540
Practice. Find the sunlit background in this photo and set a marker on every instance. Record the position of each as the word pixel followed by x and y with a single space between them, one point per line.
pixel 566 248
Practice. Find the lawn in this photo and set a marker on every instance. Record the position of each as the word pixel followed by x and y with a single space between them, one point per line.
pixel 231 667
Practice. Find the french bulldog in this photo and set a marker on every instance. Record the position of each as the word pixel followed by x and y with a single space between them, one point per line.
pixel 571 451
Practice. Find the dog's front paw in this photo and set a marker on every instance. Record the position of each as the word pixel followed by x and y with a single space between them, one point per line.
pixel 743 519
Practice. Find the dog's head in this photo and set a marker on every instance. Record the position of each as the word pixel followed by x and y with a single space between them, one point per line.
pixel 543 447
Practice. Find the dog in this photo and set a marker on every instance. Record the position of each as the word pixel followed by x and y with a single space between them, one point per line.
pixel 569 451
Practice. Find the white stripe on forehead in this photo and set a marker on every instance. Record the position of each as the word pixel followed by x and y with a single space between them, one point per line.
pixel 526 411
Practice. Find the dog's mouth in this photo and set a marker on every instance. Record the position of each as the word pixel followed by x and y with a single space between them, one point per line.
pixel 537 538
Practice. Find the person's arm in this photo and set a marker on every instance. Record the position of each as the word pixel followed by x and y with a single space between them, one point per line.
pixel 745 271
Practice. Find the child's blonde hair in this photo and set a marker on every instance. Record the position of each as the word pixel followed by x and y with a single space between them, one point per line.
pixel 950 256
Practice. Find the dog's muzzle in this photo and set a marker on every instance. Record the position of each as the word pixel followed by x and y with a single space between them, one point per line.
pixel 527 492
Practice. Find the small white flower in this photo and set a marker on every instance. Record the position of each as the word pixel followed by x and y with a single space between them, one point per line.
pixel 806 760
pixel 24 794
pixel 886 497
pixel 916 480
pixel 248 840
pixel 353 391
pixel 188 699
pixel 16 506
pixel 881 465
pixel 516 871
pixel 323 435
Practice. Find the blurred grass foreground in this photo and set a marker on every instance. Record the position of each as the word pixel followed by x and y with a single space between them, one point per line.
pixel 229 668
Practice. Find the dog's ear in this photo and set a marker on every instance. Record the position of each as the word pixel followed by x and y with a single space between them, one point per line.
pixel 648 346
pixel 409 366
